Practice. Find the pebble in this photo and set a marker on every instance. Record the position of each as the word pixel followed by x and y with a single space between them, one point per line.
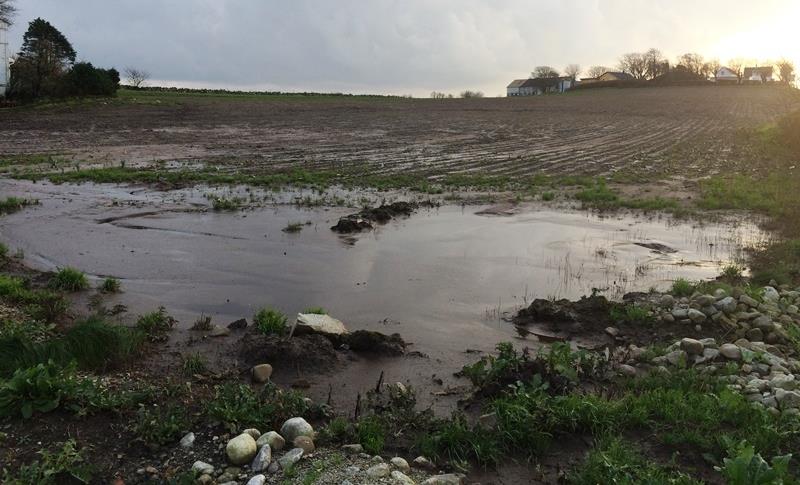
pixel 188 440
pixel 730 351
pixel 449 479
pixel 771 294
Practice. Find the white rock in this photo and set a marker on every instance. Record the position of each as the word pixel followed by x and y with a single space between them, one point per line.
pixel 271 439
pixel 730 351
pixel 262 460
pixel 290 458
pixel 261 373
pixel 401 478
pixel 202 468
pixel 449 479
pixel 786 382
pixel 422 462
pixel 241 449
pixel 771 294
pixel 188 440
pixel 378 471
pixel 401 464
pixel 295 427
pixel 257 480
pixel 727 305
pixel 256 434
pixel 324 324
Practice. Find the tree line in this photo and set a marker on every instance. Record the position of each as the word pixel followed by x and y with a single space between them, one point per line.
pixel 653 63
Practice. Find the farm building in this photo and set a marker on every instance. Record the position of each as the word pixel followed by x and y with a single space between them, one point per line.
pixel 758 75
pixel 609 76
pixel 4 75
pixel 726 75
pixel 538 86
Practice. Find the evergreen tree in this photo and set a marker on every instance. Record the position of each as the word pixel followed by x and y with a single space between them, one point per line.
pixel 46 54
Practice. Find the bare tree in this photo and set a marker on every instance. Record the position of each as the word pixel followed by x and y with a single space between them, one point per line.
pixel 439 95
pixel 737 66
pixel 7 11
pixel 544 72
pixel 597 71
pixel 634 64
pixel 691 62
pixel 655 63
pixel 785 71
pixel 572 71
pixel 711 68
pixel 136 77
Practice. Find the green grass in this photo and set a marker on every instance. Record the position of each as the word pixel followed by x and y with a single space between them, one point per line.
pixel 156 325
pixel 42 305
pixel 92 344
pixel 13 204
pixel 111 285
pixel 239 406
pixel 371 434
pixel 161 425
pixel 631 315
pixel 69 279
pixel 293 227
pixel 270 321
pixel 226 204
pixel 600 196
pixel 316 310
pixel 682 287
pixel 613 460
pixel 3 251
pixel 193 364
pixel 548 196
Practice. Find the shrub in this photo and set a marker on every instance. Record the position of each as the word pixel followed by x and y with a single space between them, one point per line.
pixel 194 364
pixel 110 285
pixel 293 227
pixel 548 196
pixel 203 323
pixel 156 325
pixel 35 389
pixel 682 287
pixel 67 465
pixel 270 321
pixel 86 80
pixel 371 434
pixel 69 279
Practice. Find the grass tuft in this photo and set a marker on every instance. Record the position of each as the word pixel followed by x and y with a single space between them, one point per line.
pixel 69 279
pixel 270 321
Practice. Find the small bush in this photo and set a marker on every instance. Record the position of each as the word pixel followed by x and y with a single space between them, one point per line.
pixel 13 204
pixel 455 441
pixel 36 389
pixel 548 196
pixel 270 321
pixel 745 467
pixel 293 227
pixel 69 279
pixel 203 323
pixel 161 425
pixel 66 465
pixel 156 325
pixel 338 431
pixel 682 288
pixel 110 285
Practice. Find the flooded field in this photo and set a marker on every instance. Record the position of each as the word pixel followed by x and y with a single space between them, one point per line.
pixel 443 278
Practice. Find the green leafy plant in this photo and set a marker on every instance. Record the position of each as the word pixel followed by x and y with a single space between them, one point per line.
pixel 161 425
pixel 35 389
pixel 156 325
pixel 69 279
pixel 13 204
pixel 316 310
pixel 746 467
pixel 371 434
pixel 631 315
pixel 66 465
pixel 270 321
pixel 194 364
pixel 238 405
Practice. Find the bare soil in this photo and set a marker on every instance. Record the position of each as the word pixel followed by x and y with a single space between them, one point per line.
pixel 674 130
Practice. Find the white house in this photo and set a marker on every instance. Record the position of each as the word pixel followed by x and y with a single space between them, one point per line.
pixel 726 75
pixel 538 86
pixel 4 74
pixel 758 75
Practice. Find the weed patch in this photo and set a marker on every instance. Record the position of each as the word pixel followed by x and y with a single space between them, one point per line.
pixel 65 465
pixel 156 325
pixel 111 285
pixel 69 279
pixel 270 321
pixel 13 204
pixel 239 406
pixel 161 425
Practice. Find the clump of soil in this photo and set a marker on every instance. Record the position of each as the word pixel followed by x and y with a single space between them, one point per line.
pixel 375 343
pixel 366 219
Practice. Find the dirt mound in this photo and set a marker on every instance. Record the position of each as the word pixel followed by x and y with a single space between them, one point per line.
pixel 308 353
pixel 366 219
pixel 375 343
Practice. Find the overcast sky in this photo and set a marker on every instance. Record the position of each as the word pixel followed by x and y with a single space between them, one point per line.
pixel 394 46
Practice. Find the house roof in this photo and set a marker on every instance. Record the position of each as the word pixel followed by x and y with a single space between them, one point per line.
pixel 760 71
pixel 517 83
pixel 621 75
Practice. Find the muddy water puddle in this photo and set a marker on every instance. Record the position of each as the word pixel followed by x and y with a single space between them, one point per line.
pixel 442 278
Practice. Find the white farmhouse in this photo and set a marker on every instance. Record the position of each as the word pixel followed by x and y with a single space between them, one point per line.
pixel 726 75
